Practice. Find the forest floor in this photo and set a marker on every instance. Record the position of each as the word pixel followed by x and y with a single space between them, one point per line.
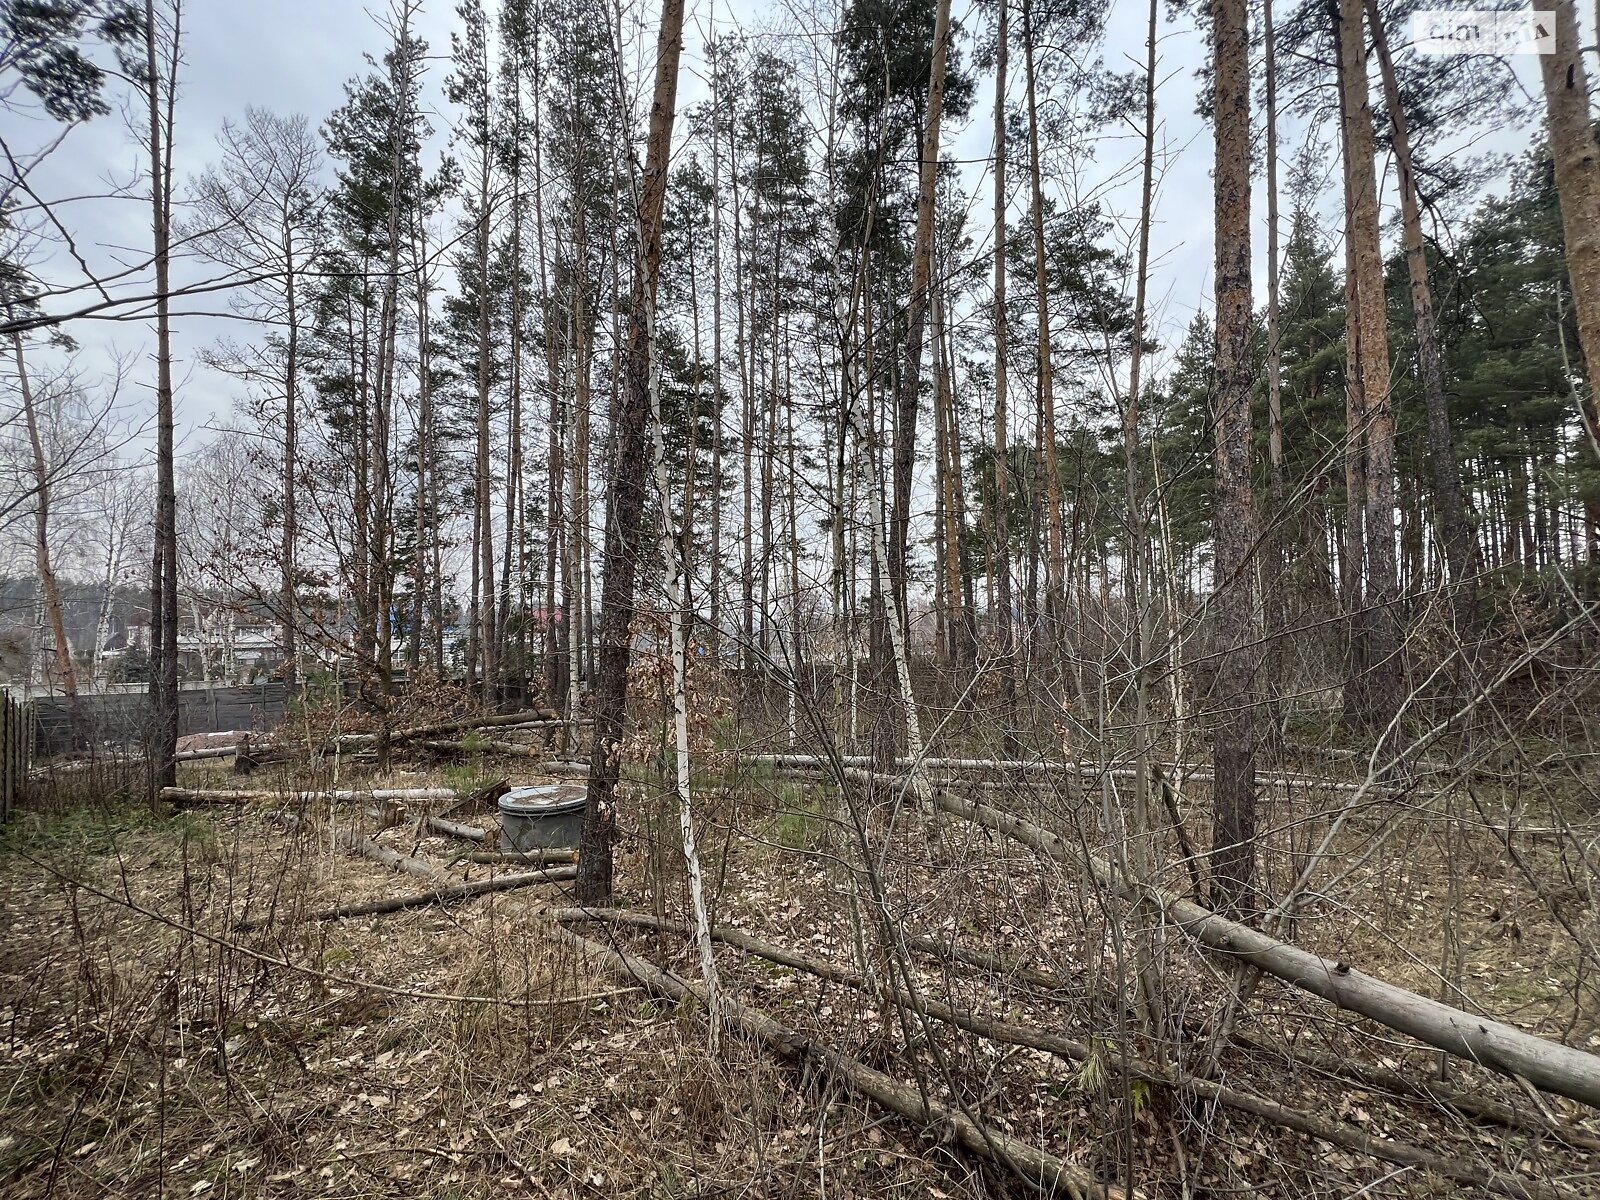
pixel 152 1048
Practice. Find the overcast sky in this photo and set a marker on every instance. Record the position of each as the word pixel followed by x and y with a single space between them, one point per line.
pixel 296 55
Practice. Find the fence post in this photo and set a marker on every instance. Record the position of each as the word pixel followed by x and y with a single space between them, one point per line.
pixel 16 744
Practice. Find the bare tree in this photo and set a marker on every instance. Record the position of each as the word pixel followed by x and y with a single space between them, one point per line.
pixel 257 210
pixel 65 670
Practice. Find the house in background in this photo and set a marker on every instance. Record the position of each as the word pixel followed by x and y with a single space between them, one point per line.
pixel 218 643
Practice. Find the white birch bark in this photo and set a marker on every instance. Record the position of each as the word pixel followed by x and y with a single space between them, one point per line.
pixel 857 418
pixel 679 620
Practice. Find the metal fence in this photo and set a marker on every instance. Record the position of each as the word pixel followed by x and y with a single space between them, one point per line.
pixel 16 747
pixel 123 719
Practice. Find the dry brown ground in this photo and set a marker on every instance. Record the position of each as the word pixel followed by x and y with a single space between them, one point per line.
pixel 151 1049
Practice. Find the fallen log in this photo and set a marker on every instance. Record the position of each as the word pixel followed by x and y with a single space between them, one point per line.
pixel 511 750
pixel 209 752
pixel 985 961
pixel 1504 1183
pixel 1500 1047
pixel 1031 1163
pixel 366 847
pixel 1042 769
pixel 458 726
pixel 182 796
pixel 547 724
pixel 467 833
pixel 1422 1086
pixel 524 858
pixel 440 895
pixel 1443 1095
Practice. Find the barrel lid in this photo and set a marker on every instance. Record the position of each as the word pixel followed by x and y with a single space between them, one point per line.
pixel 542 799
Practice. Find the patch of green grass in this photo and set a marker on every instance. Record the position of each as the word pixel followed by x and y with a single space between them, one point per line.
pixel 90 829
pixel 797 820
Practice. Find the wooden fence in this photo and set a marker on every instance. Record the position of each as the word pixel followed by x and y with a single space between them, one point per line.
pixel 16 751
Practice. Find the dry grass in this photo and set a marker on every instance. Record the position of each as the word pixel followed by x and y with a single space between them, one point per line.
pixel 152 1050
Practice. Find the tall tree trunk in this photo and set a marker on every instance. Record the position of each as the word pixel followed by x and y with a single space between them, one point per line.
pixel 1140 605
pixel 515 544
pixel 1352 560
pixel 578 502
pixel 624 528
pixel 1383 653
pixel 163 746
pixel 857 396
pixel 1233 748
pixel 291 397
pixel 909 398
pixel 796 657
pixel 486 607
pixel 769 444
pixel 741 275
pixel 1277 545
pixel 1455 533
pixel 555 523
pixel 714 566
pixel 382 575
pixel 675 565
pixel 1005 636
pixel 1045 399
pixel 1577 163
pixel 426 531
pixel 957 629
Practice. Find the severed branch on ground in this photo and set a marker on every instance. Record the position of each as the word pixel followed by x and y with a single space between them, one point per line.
pixel 365 847
pixel 1031 1163
pixel 522 857
pixel 1501 1182
pixel 441 895
pixel 1500 1047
